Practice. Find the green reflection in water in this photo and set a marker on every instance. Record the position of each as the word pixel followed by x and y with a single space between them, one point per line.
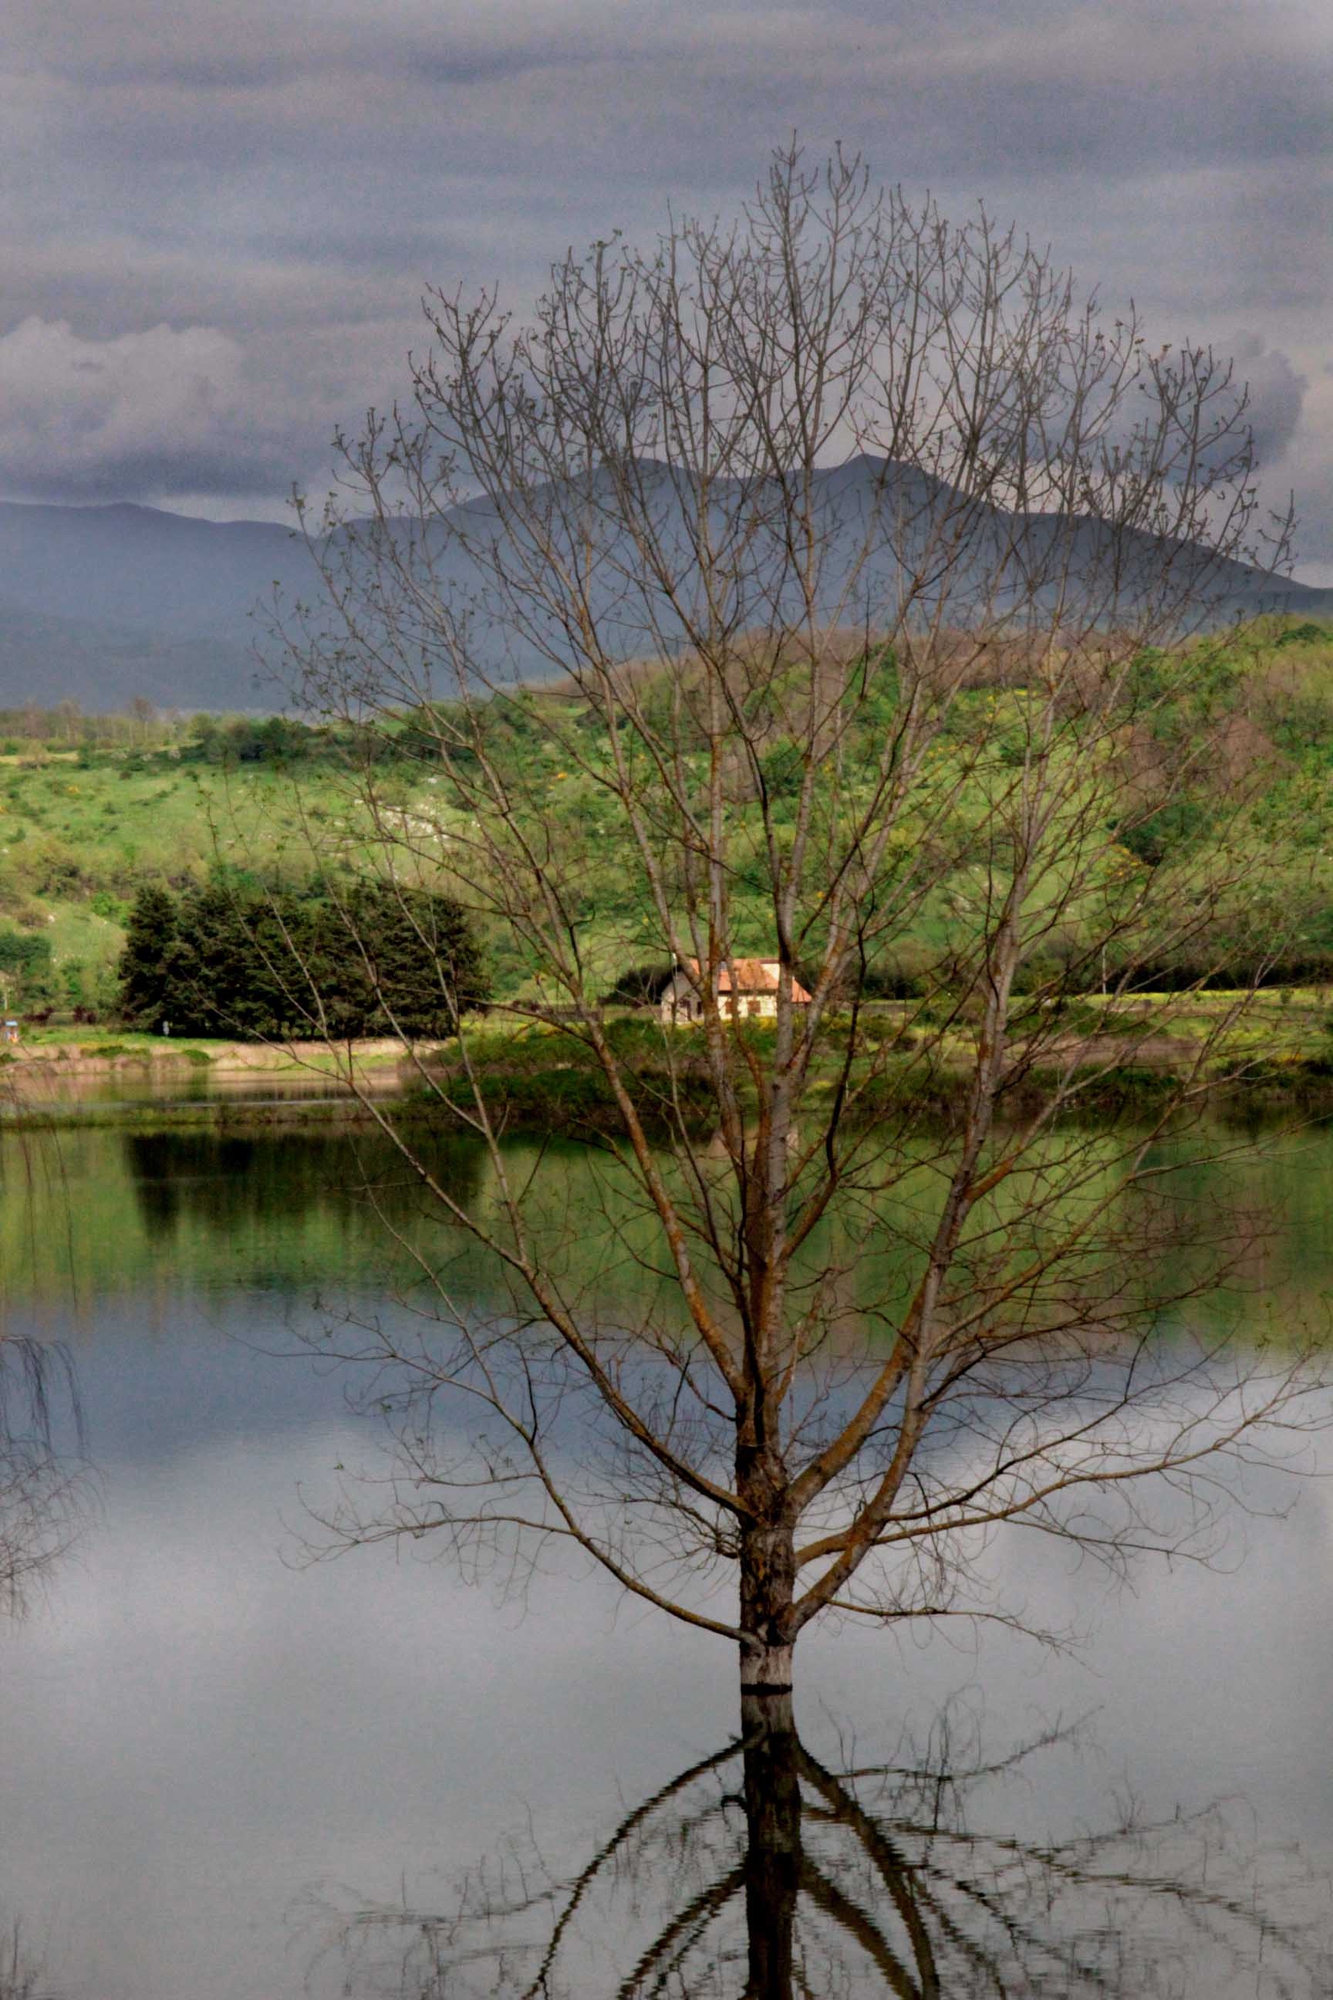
pixel 91 1213
pixel 94 1212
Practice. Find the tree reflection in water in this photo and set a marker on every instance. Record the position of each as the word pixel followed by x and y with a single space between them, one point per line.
pixel 44 1490
pixel 22 1971
pixel 44 1482
pixel 764 1873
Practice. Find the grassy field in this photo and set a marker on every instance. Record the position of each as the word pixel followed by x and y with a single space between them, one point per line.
pixel 79 838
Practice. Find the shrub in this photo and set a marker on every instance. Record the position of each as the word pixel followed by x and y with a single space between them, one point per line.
pixel 640 985
pixel 25 969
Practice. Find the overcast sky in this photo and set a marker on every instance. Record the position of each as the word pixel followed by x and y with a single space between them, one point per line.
pixel 219 215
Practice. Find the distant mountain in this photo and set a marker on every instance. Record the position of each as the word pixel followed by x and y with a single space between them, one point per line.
pixel 104 666
pixel 141 566
pixel 101 604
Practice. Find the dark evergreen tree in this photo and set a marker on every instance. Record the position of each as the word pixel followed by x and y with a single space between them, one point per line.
pixel 400 960
pixel 222 966
pixel 254 964
pixel 150 934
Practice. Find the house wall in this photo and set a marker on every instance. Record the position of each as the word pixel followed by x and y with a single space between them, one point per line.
pixel 750 1006
pixel 680 1004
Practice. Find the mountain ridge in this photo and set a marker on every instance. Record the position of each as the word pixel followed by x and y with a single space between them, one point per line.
pixel 100 604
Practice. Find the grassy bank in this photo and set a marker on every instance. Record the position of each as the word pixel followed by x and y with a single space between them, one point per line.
pixel 97 1051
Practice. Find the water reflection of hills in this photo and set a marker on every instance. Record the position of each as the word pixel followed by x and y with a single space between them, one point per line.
pixel 224 1183
pixel 91 1212
pixel 764 1872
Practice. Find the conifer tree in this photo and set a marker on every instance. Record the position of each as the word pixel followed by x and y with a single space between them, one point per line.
pixel 144 963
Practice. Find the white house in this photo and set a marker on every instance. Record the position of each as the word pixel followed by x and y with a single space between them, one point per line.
pixel 748 988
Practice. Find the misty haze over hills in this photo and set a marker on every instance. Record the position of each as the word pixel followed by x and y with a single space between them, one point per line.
pixel 100 604
pixel 103 604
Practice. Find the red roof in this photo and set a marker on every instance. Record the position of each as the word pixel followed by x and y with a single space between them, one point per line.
pixel 753 975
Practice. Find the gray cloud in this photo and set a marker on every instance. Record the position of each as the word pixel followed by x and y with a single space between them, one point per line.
pixel 960 89
pixel 1276 395
pixel 289 186
pixel 85 412
pixel 175 410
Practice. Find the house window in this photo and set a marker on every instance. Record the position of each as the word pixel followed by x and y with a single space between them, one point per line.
pixel 752 1007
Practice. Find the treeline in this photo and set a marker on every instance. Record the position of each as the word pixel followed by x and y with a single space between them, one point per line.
pixel 142 730
pixel 269 739
pixel 67 726
pixel 299 963
pixel 1217 965
pixel 35 987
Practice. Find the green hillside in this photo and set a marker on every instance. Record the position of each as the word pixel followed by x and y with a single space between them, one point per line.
pixel 91 810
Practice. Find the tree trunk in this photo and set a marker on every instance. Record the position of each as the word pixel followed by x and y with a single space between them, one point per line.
pixel 768 1591
pixel 773 1842
pixel 766 1669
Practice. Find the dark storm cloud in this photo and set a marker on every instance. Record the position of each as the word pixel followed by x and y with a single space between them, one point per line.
pixel 961 91
pixel 286 177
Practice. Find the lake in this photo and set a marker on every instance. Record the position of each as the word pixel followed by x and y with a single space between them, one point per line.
pixel 232 1773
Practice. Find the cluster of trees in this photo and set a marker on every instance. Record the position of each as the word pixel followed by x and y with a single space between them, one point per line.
pixel 244 739
pixel 33 985
pixel 25 970
pixel 257 963
pixel 67 726
pixel 209 739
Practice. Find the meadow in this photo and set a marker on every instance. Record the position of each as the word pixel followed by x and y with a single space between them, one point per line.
pixel 95 809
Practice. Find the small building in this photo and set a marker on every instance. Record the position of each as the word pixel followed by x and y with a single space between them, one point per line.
pixel 747 988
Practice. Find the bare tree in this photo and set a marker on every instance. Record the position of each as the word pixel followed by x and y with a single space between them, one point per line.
pixel 22 1977
pixel 847 535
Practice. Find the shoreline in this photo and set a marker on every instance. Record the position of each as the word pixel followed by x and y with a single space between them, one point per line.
pixel 560 1101
pixel 131 1055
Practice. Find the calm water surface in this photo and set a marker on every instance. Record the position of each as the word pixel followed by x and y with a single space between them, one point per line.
pixel 230 1775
